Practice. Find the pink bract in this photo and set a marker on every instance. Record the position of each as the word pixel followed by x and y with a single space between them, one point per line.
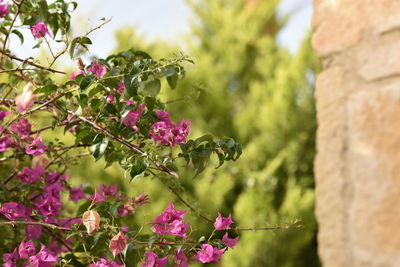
pixel 222 223
pixel 40 30
pixel 97 69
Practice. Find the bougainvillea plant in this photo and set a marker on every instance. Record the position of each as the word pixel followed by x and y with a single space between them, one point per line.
pixel 112 108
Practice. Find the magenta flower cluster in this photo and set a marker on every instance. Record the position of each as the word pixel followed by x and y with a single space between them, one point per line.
pixel 22 129
pixel 170 222
pixel 165 132
pixel 40 30
pixel 3 9
pixel 97 69
pixel 27 253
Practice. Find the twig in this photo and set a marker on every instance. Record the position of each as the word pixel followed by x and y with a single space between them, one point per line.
pixel 20 115
pixel 9 177
pixel 14 70
pixel 12 25
pixel 133 147
pixel 268 228
pixel 97 27
pixel 30 63
pixel 47 225
pixel 187 204
pixel 69 147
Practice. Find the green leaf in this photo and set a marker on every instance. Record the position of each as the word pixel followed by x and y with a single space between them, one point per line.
pixel 125 112
pixel 19 34
pixel 83 41
pixel 99 146
pixel 138 169
pixel 96 239
pixel 99 88
pixel 86 82
pixel 131 85
pixel 152 88
pixel 200 157
pixel 173 80
pixel 95 104
pixel 47 89
pixel 83 100
pixel 205 138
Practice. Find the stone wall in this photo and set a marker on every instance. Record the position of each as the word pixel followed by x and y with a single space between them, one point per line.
pixel 358 104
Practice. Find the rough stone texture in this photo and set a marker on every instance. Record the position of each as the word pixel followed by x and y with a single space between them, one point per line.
pixel 358 141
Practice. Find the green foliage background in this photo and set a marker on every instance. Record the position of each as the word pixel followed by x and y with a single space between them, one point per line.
pixel 246 86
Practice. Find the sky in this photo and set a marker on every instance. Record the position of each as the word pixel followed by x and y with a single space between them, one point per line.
pixel 167 20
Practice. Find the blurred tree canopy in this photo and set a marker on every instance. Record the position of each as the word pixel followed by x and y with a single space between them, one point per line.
pixel 245 85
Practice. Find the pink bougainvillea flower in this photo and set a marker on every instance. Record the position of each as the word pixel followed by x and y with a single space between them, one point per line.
pixel 73 75
pixel 229 242
pixel 118 243
pixel 123 210
pixel 43 258
pixel 26 99
pixel 105 263
pixel 40 30
pixel 104 193
pixel 36 148
pixel 121 87
pixel 222 223
pixel 142 199
pixel 26 249
pixel 10 259
pixel 180 258
pixel 97 69
pixel 33 231
pixel 48 205
pixel 170 222
pixel 133 116
pixel 3 9
pixel 91 220
pixel 111 97
pixel 166 132
pixel 3 114
pixel 29 175
pixel 108 191
pixel 14 210
pixel 76 194
pixel 209 254
pixel 7 141
pixel 97 197
pixel 22 128
pixel 152 260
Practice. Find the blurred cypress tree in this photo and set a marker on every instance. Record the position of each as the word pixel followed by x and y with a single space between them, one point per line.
pixel 259 93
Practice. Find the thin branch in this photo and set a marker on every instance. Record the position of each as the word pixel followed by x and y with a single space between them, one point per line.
pixel 9 177
pixel 187 204
pixel 133 147
pixel 292 225
pixel 30 63
pixel 22 77
pixel 97 27
pixel 12 24
pixel 47 225
pixel 268 228
pixel 20 115
pixel 14 70
pixel 70 147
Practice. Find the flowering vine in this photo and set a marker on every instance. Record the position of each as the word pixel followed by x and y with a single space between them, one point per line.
pixel 112 109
